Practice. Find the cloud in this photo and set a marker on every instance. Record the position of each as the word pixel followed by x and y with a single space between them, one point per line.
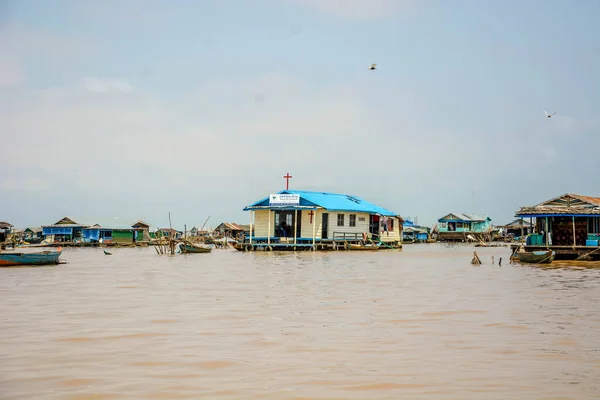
pixel 216 144
pixel 11 72
pixel 214 150
pixel 107 85
pixel 24 185
pixel 360 9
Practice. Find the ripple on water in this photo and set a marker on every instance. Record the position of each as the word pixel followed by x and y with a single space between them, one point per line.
pixel 319 326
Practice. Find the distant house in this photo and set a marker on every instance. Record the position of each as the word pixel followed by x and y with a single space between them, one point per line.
pixel 569 220
pixel 142 231
pixel 169 232
pixel 65 230
pixel 458 226
pixel 414 233
pixel 230 229
pixel 5 229
pixel 518 227
pixel 110 233
pixel 33 234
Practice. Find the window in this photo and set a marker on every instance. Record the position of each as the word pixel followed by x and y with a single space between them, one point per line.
pixel 391 224
pixel 459 225
pixel 352 220
pixel 340 220
pixel 288 219
pixel 361 219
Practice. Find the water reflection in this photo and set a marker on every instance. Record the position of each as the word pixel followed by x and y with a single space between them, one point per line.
pixel 417 324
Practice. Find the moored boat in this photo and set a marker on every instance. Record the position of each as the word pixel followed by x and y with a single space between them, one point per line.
pixel 363 246
pixel 536 257
pixel 38 258
pixel 187 248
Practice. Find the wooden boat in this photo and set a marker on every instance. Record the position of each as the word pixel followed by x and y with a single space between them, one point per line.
pixel 187 248
pixel 38 258
pixel 536 257
pixel 363 246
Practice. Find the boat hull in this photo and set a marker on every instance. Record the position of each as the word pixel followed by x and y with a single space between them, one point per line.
pixel 362 247
pixel 39 258
pixel 194 249
pixel 536 257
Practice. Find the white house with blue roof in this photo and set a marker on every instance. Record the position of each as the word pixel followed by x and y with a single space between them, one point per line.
pixel 320 220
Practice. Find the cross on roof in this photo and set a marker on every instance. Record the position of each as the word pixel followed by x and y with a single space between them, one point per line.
pixel 287 181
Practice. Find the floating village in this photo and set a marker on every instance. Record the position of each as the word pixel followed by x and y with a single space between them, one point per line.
pixel 566 227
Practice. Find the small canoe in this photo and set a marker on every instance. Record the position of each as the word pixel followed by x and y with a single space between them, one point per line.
pixel 536 257
pixel 367 247
pixel 38 258
pixel 186 248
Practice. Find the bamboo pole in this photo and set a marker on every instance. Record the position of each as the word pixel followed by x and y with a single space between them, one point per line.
pixel 574 237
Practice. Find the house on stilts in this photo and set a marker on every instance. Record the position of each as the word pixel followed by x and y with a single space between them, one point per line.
pixel 568 224
pixel 461 227
pixel 306 220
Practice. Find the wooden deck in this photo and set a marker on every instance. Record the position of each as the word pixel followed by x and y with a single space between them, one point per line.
pixel 588 253
pixel 306 245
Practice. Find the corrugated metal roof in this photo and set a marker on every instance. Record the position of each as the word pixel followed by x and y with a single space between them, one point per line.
pixel 466 217
pixel 231 225
pixel 589 199
pixel 5 225
pixel 566 204
pixel 518 223
pixel 334 202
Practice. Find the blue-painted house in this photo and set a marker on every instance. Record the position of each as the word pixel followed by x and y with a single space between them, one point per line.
pixel 457 226
pixel 65 230
pixel 414 233
pixel 320 220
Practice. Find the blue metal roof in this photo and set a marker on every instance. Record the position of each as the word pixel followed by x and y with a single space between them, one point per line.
pixel 329 201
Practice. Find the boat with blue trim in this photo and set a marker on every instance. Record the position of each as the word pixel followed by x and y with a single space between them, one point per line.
pixel 37 258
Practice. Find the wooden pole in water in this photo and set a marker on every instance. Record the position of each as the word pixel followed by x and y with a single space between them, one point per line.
pixel 574 237
pixel 521 227
pixel 295 225
pixel 314 230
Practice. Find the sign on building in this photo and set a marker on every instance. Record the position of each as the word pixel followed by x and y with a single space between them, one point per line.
pixel 284 200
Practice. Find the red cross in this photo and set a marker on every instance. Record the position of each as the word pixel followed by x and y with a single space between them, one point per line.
pixel 287 181
pixel 311 215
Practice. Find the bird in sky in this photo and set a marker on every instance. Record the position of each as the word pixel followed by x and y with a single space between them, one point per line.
pixel 373 67
pixel 548 115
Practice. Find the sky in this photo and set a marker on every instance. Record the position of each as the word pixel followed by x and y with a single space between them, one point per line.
pixel 132 109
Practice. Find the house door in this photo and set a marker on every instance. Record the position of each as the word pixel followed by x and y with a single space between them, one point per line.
pixel 298 223
pixel 324 225
pixel 374 226
pixel 284 224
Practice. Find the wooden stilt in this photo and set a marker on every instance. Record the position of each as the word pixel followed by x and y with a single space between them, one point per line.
pixel 251 224
pixel 574 237
pixel 269 230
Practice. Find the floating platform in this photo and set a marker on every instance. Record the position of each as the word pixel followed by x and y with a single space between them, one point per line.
pixel 307 245
pixel 587 253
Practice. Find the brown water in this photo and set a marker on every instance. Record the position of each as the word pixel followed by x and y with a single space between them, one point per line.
pixel 417 324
